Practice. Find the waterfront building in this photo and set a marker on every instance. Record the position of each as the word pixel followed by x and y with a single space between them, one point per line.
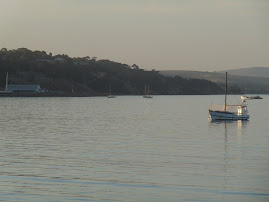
pixel 25 88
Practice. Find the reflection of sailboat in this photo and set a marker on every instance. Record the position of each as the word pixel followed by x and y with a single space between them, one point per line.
pixel 110 94
pixel 229 112
pixel 239 123
pixel 232 148
pixel 147 92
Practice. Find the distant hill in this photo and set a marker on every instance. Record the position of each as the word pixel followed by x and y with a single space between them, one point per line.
pixel 252 71
pixel 250 84
pixel 212 76
pixel 87 76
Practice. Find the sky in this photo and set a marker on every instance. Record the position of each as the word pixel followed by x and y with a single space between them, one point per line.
pixel 203 35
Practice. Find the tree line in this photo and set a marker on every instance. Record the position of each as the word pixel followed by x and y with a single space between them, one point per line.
pixel 90 76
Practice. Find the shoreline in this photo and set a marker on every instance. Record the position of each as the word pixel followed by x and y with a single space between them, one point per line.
pixel 87 95
pixel 49 95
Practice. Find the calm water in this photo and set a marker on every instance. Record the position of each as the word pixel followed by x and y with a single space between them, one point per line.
pixel 131 149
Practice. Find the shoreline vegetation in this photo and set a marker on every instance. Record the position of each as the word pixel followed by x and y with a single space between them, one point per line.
pixel 63 76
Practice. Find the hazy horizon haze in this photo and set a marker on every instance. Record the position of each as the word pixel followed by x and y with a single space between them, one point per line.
pixel 164 35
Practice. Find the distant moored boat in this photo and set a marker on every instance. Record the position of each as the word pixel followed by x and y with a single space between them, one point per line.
pixel 110 94
pixel 147 92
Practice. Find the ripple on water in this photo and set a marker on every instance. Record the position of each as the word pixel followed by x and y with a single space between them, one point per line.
pixel 129 149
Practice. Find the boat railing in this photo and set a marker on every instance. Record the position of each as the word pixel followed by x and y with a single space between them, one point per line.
pixel 230 108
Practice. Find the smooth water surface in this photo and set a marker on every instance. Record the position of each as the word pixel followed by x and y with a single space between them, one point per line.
pixel 131 149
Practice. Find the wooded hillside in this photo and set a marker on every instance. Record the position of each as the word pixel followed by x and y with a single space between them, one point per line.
pixel 88 76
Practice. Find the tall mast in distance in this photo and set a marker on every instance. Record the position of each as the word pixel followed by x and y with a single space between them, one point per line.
pixel 6 82
pixel 145 89
pixel 226 94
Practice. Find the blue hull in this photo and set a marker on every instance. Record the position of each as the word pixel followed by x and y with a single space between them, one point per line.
pixel 221 115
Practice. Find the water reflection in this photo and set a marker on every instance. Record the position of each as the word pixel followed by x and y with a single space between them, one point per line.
pixel 229 125
pixel 83 149
pixel 232 146
pixel 226 156
pixel 225 123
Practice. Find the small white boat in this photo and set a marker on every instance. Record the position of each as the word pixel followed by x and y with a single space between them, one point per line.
pixel 248 97
pixel 229 112
pixel 147 92
pixel 110 95
pixel 256 97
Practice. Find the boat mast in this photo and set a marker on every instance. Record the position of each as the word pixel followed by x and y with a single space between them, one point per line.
pixel 110 89
pixel 226 93
pixel 148 89
pixel 145 89
pixel 6 82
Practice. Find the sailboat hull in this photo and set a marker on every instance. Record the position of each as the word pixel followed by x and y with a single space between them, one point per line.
pixel 222 115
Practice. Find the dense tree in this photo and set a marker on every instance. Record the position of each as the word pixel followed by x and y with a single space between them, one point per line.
pixel 89 76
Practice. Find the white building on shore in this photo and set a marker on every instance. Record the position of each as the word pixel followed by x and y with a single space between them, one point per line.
pixel 24 89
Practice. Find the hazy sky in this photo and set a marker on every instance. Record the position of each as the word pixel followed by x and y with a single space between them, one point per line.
pixel 160 34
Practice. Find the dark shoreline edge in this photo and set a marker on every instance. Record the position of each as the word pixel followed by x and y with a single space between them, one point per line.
pixel 85 95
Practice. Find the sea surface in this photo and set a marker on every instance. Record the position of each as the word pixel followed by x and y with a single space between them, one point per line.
pixel 131 149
